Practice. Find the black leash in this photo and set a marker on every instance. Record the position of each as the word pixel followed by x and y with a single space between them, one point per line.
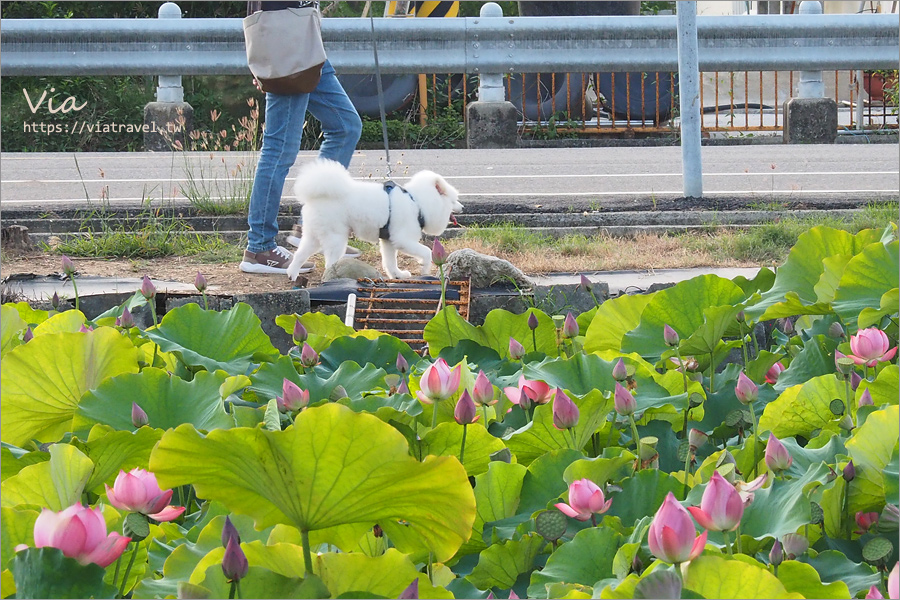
pixel 384 131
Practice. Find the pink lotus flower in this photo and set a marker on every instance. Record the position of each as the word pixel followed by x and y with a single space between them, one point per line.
pixel 623 401
pixel 773 373
pixel 565 413
pixel 483 391
pixel 585 499
pixel 745 390
pixel 80 532
pixel 438 382
pixel 292 397
pixel 865 521
pixel 870 347
pixel 516 350
pixel 672 537
pixel 137 491
pixel 464 413
pixel 893 586
pixel 746 488
pixel 874 593
pixel 721 507
pixel 537 392
pixel 777 456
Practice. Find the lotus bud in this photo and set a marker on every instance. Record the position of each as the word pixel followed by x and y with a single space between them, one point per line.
pixel 637 564
pixel 623 401
pixel 338 393
pixel 855 380
pixel 464 413
pixel 234 563
pixel 670 336
pixel 438 253
pixel 836 331
pixel 483 391
pixel 148 290
pixel 721 507
pixel 619 371
pixel 585 283
pixel 139 418
pixel 846 423
pixel 300 334
pixel 777 456
pixel 200 282
pixel 773 373
pixel 490 596
pixel 402 364
pixel 585 500
pixel 865 399
pixel 85 329
pixel 570 327
pixel 404 388
pixel 411 591
pixel 513 595
pixel 126 319
pixel 525 401
pixel 308 357
pixel 68 266
pixel 794 545
pixel 786 324
pixel 740 317
pixel 54 301
pixel 745 390
pixel 696 439
pixel 866 520
pixel 516 350
pixel 565 413
pixel 776 554
pixel 874 593
pixel 292 397
pixel 672 537
pixel 28 335
pixel 229 531
pixel 893 585
pixel 532 321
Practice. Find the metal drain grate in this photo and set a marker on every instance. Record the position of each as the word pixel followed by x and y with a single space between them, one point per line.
pixel 402 307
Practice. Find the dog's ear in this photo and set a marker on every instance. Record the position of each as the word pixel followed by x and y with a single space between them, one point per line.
pixel 440 185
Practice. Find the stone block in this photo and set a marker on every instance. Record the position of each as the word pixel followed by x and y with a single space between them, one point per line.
pixel 163 127
pixel 491 125
pixel 269 305
pixel 215 302
pixel 810 121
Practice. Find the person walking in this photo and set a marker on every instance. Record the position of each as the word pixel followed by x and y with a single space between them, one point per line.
pixel 284 119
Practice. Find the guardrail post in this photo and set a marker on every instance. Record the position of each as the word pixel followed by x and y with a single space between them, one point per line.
pixel 169 118
pixel 689 99
pixel 810 118
pixel 491 122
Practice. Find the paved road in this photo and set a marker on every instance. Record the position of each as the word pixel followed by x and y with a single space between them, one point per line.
pixel 488 180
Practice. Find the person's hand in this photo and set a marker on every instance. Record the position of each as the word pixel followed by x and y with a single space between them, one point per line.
pixel 257 84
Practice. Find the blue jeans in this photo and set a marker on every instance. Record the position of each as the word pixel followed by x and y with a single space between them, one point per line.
pixel 285 116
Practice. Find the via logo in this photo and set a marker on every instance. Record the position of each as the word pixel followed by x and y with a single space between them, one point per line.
pixel 68 105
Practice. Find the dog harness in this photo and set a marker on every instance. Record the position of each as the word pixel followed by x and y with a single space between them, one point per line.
pixel 384 231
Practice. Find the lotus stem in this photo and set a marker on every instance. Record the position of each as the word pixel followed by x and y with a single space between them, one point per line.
pixel 574 442
pixel 307 555
pixel 434 415
pixel 75 289
pixel 593 519
pixel 743 344
pixel 727 544
pixel 441 305
pixel 737 541
pixel 430 568
pixel 849 392
pixel 232 591
pixel 687 463
pixel 462 446
pixel 116 572
pixel 128 572
pixel 484 411
pixel 636 436
pixel 712 374
pixel 683 372
pixel 755 445
pixel 205 301
pixel 151 302
pixel 534 340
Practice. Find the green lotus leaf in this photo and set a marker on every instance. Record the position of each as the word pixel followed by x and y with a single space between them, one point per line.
pixel 285 559
pixel 541 435
pixel 112 451
pixel 886 387
pixel 42 381
pixel 169 401
pixel 871 446
pixel 399 407
pixel 643 494
pixel 793 292
pixel 602 469
pixel 587 559
pixel 268 380
pixel 762 282
pixel 230 340
pixel 868 277
pixel 499 326
pixel 48 573
pixel 815 359
pixel 760 365
pixel 333 468
pixel 233 385
pixel 109 316
pixel 56 483
pixel 259 583
pixel 544 480
pixel 801 578
pixel 322 329
pixel 497 495
pixel 384 576
pixel 824 448
pixel 70 321
pixel 891 473
pixel 615 318
pixel 499 565
pixel 16 527
pixel 831 276
pixel 381 352
pixel 716 577
pixel 11 463
pixel 706 338
pixel 802 409
pixel 446 438
pixel 832 566
pixel 11 326
pixel 438 335
pixel 886 306
pixel 684 308
pixel 31 316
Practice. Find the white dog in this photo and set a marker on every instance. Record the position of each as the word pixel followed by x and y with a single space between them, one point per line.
pixel 335 205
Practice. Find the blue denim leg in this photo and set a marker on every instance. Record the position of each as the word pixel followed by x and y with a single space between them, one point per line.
pixel 281 143
pixel 341 125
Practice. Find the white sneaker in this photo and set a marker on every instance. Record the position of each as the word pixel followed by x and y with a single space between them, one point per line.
pixel 273 261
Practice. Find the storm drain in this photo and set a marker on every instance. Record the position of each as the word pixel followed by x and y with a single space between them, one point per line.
pixel 402 307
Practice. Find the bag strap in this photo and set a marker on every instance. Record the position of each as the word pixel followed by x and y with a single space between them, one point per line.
pixel 253 6
pixel 384 131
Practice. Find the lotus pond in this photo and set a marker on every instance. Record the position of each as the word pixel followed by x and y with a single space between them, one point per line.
pixel 716 439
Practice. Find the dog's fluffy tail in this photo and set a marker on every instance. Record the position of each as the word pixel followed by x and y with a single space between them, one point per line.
pixel 322 180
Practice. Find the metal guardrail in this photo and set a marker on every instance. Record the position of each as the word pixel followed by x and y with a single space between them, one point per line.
pixel 460 45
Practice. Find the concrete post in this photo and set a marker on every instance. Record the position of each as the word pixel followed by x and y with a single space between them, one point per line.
pixel 810 118
pixel 491 122
pixel 169 118
pixel 689 99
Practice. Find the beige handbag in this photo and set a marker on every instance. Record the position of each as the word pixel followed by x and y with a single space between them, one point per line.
pixel 285 50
